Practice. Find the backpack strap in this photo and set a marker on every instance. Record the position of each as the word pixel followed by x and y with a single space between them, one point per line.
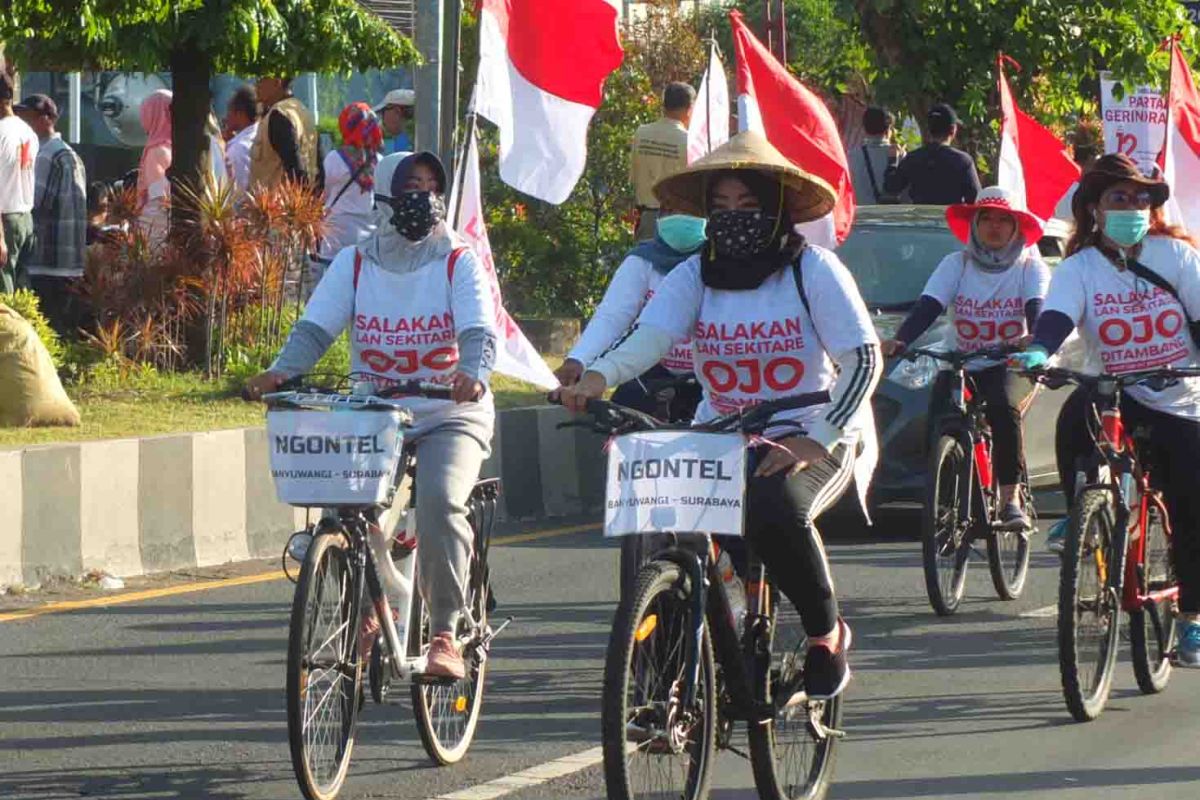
pixel 866 154
pixel 798 277
pixel 357 267
pixel 1150 276
pixel 454 254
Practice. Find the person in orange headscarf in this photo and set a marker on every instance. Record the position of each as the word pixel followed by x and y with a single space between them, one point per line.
pixel 153 188
pixel 350 180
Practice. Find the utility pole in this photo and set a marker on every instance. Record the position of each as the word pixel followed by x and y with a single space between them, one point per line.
pixel 450 82
pixel 430 36
pixel 776 29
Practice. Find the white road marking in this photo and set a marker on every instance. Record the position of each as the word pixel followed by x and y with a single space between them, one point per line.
pixel 534 776
pixel 1045 612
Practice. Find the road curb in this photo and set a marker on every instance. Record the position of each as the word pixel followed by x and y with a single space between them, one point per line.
pixel 135 506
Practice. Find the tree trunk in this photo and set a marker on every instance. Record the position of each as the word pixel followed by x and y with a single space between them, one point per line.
pixel 191 71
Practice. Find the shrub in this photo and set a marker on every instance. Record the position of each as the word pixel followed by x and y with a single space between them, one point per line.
pixel 25 303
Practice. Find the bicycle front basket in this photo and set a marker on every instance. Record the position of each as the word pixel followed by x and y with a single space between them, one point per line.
pixel 333 458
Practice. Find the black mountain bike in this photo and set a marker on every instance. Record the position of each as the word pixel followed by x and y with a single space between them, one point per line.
pixel 339 584
pixel 961 497
pixel 680 672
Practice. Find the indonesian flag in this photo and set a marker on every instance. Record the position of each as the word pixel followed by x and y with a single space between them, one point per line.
pixel 710 116
pixel 797 122
pixel 542 65
pixel 1034 165
pixel 1181 153
pixel 515 356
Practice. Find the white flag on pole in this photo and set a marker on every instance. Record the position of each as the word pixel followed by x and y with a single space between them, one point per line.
pixel 710 116
pixel 515 355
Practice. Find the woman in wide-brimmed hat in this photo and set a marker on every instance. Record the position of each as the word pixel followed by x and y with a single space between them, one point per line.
pixel 996 286
pixel 769 317
pixel 1132 288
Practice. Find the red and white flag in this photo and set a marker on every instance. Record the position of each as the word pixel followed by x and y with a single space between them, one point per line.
pixel 515 355
pixel 1034 164
pixel 542 65
pixel 710 116
pixel 1181 152
pixel 797 123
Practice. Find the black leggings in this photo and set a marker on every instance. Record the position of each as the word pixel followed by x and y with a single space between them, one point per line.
pixel 1003 392
pixel 1174 456
pixel 780 512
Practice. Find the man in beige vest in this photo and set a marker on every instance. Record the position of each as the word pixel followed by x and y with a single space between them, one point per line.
pixel 286 142
pixel 659 149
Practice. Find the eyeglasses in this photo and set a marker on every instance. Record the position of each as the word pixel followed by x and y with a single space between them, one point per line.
pixel 1120 197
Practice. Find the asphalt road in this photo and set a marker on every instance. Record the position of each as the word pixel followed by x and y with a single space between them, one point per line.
pixel 182 696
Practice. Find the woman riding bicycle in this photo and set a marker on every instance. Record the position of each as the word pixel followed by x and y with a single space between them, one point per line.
pixel 996 286
pixel 418 306
pixel 745 302
pixel 1112 287
pixel 680 236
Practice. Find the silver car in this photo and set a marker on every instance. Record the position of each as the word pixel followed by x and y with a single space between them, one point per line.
pixel 892 251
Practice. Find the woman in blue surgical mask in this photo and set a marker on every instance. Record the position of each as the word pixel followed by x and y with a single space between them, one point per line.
pixel 1131 285
pixel 679 237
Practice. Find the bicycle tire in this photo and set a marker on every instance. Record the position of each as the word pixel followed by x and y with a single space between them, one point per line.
pixel 1151 662
pixel 1088 550
pixel 321 777
pixel 1008 556
pixel 776 780
pixel 944 548
pixel 447 714
pixel 660 591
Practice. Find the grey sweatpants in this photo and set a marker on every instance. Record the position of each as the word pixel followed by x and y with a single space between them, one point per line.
pixel 448 462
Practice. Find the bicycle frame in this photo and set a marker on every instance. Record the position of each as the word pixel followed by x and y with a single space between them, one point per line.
pixel 965 426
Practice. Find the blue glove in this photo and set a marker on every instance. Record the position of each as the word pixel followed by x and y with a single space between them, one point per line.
pixel 1033 358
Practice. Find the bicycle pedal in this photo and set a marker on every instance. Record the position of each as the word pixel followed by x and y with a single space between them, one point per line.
pixel 486 641
pixel 432 680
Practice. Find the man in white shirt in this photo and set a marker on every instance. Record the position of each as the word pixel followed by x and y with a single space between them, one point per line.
pixel 18 152
pixel 241 124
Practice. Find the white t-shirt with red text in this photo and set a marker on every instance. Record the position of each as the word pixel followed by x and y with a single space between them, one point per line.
pixel 988 307
pixel 404 325
pixel 18 152
pixel 1130 324
pixel 632 286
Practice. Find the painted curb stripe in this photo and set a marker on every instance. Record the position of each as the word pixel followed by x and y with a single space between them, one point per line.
pixel 526 778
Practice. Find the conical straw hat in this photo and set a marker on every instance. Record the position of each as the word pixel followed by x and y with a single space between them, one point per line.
pixel 809 197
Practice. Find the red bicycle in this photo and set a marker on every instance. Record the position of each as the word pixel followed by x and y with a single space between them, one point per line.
pixel 962 496
pixel 1117 551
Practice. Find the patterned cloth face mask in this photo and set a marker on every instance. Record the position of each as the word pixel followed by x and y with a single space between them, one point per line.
pixel 741 233
pixel 416 214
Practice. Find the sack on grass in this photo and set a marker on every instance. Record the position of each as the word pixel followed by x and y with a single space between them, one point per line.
pixel 30 391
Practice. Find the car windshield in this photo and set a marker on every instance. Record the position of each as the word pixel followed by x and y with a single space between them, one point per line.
pixel 891 263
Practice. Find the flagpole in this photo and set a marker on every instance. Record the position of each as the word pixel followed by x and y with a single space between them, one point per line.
pixel 460 164
pixel 708 93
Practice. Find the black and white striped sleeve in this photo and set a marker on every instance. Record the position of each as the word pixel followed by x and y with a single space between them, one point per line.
pixel 859 371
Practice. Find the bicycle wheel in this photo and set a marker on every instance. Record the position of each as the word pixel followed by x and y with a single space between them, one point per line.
pixel 323 669
pixel 789 761
pixel 1088 607
pixel 944 543
pixel 1151 665
pixel 653 746
pixel 1008 556
pixel 447 712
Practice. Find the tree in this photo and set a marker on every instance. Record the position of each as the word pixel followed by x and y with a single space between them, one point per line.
pixel 195 39
pixel 929 51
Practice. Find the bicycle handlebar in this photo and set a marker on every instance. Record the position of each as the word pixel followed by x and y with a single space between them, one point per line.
pixel 1057 377
pixel 614 418
pixel 958 358
pixel 301 384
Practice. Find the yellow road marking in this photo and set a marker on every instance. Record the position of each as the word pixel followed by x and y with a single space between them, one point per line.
pixel 245 580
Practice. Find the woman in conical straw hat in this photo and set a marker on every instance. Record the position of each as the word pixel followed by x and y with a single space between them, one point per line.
pixel 769 317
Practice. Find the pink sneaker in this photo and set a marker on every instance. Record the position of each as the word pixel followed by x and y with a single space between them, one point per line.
pixel 444 660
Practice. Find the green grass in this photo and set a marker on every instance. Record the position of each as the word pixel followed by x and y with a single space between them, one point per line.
pixel 116 406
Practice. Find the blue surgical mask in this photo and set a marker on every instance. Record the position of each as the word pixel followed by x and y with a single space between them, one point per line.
pixel 1127 228
pixel 682 233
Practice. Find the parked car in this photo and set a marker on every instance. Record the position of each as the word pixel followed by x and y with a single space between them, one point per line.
pixel 891 251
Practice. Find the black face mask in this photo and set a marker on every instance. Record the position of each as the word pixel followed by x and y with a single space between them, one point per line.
pixel 741 233
pixel 416 214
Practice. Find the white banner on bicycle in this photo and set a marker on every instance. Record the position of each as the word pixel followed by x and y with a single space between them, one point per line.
pixel 683 481
pixel 323 458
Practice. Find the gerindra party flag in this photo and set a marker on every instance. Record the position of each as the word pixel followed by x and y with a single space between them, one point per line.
pixel 515 355
pixel 796 121
pixel 542 65
pixel 1034 164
